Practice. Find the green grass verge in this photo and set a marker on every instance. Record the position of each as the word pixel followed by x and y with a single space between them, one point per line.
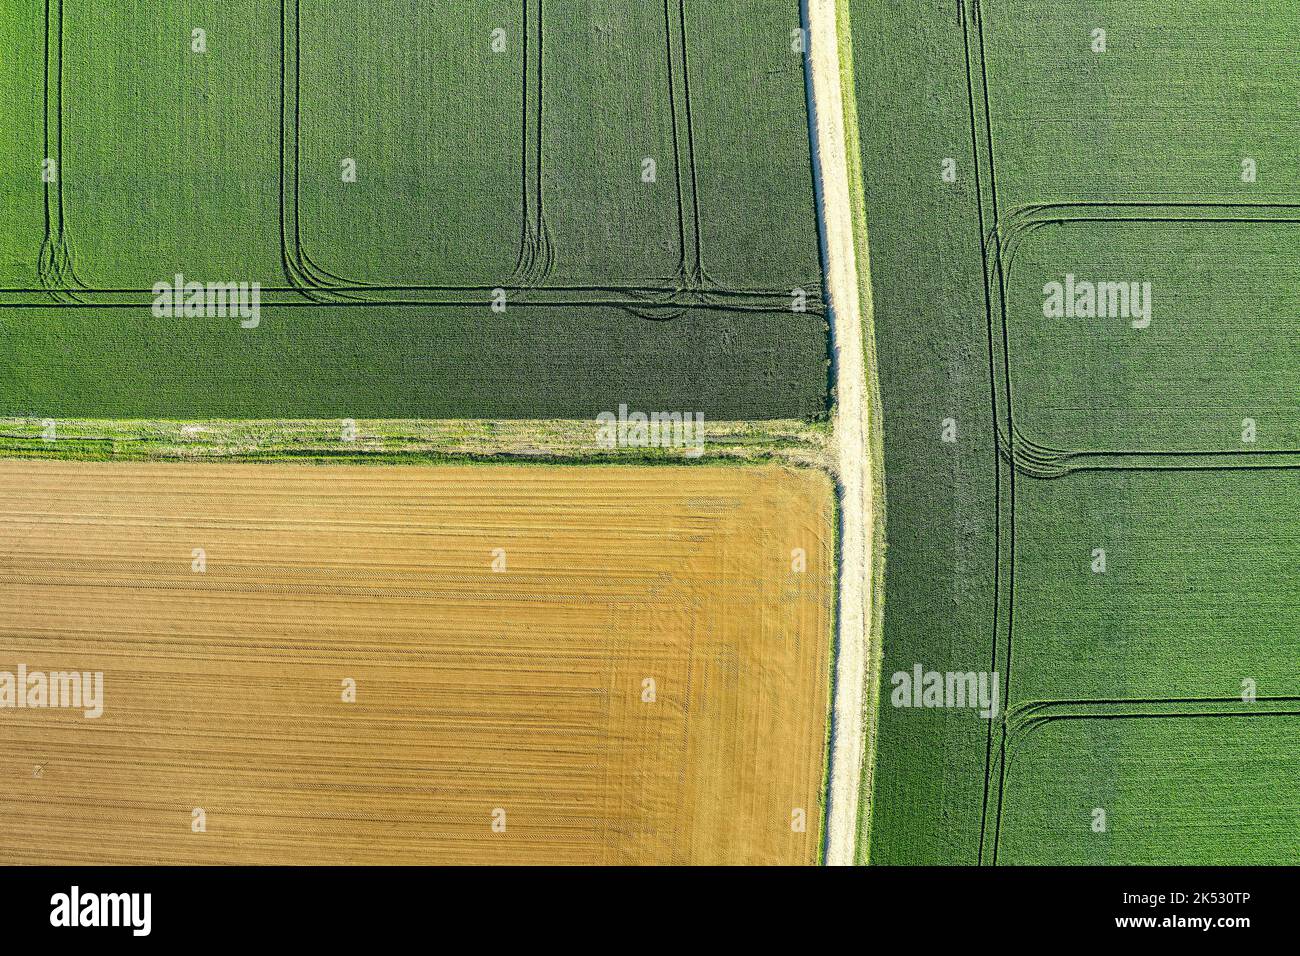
pixel 395 442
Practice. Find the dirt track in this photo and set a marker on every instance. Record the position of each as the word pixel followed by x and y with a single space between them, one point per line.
pixel 853 462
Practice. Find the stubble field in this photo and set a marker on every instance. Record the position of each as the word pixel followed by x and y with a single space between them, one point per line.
pixel 500 714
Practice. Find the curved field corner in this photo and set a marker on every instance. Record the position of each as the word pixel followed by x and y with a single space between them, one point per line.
pixel 336 664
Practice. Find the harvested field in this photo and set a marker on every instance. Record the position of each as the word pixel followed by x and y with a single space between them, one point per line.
pixel 476 690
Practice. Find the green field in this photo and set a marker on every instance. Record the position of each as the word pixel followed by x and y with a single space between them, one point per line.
pixel 1198 592
pixel 1112 525
pixel 1177 790
pixel 632 181
pixel 1181 384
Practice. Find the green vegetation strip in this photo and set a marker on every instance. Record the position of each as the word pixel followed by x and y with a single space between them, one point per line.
pixel 397 442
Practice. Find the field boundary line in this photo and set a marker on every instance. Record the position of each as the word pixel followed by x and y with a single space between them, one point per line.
pixel 1023 717
pixel 1003 475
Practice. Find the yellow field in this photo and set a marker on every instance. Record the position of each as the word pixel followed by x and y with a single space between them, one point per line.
pixel 477 690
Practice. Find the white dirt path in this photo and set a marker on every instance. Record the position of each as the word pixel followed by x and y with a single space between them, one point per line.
pixel 851 452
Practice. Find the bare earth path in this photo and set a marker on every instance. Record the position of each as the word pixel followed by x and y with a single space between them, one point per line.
pixel 853 463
